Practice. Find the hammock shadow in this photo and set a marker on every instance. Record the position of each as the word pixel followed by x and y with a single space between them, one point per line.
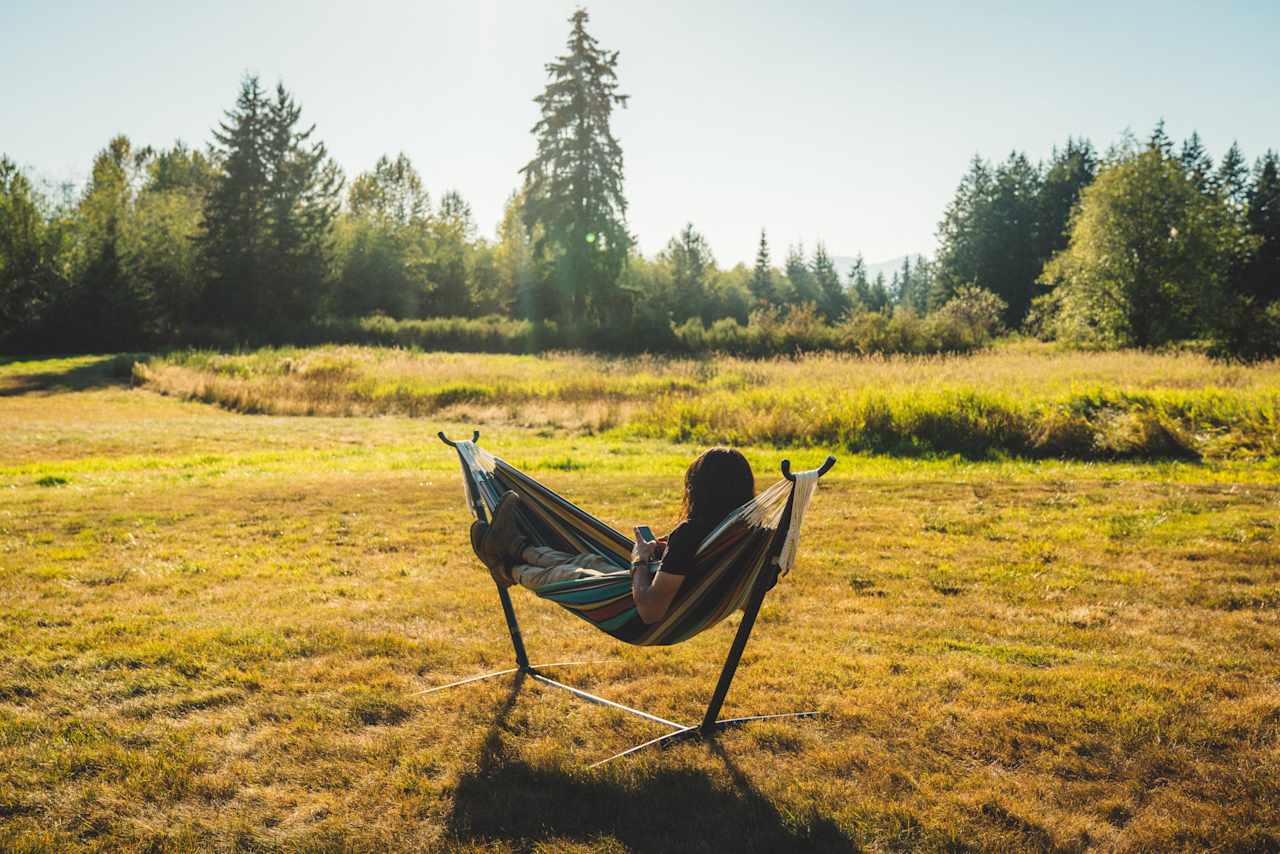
pixel 507 799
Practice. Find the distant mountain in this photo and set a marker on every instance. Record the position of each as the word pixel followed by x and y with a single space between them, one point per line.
pixel 844 262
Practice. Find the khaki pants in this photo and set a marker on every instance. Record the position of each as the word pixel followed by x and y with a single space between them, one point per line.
pixel 548 566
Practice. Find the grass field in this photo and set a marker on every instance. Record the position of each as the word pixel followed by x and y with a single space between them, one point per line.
pixel 213 624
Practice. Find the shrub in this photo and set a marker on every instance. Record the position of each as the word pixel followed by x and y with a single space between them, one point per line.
pixel 969 319
pixel 1248 332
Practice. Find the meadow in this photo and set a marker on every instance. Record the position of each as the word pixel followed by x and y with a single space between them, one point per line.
pixel 1025 399
pixel 224 579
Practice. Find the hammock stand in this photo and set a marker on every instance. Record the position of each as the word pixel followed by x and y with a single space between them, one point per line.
pixel 711 723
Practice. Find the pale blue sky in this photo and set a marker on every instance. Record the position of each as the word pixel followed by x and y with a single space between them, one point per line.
pixel 848 122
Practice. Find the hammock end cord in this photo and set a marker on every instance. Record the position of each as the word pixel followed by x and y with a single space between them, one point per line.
pixel 805 483
pixel 466 456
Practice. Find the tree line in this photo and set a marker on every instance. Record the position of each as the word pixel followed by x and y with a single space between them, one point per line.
pixel 259 237
pixel 1149 244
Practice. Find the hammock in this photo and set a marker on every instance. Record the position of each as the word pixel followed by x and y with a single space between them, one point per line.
pixel 750 546
pixel 740 560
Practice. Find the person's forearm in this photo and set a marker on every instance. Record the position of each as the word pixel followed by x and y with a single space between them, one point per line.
pixel 641 589
pixel 641 580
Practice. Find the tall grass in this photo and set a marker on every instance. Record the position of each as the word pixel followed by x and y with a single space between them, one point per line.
pixel 1098 423
pixel 769 333
pixel 1022 400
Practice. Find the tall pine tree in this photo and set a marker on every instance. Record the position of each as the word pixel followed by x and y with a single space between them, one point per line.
pixel 1197 162
pixel 833 300
pixel 988 236
pixel 29 247
pixel 1069 171
pixel 269 217
pixel 963 232
pixel 801 288
pixel 692 264
pixel 1232 178
pixel 859 286
pixel 234 236
pixel 761 283
pixel 302 190
pixel 1261 280
pixel 1160 140
pixel 574 205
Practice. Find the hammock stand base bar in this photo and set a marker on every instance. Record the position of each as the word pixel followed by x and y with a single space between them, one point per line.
pixel 530 669
pixel 592 698
pixel 662 742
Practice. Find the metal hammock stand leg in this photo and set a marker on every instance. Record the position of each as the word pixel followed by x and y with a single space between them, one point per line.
pixel 711 723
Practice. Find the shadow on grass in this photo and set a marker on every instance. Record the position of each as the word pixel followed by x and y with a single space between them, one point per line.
pixel 676 810
pixel 102 371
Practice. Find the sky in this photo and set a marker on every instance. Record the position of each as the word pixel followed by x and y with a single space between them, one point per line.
pixel 845 122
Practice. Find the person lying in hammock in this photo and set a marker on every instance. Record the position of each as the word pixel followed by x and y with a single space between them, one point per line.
pixel 718 482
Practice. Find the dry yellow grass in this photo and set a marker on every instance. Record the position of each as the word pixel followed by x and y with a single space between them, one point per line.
pixel 1024 399
pixel 212 627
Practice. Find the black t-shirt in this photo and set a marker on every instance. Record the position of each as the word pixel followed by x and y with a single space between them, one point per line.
pixel 682 546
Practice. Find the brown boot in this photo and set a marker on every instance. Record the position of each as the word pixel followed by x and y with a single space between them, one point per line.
pixel 505 536
pixel 497 566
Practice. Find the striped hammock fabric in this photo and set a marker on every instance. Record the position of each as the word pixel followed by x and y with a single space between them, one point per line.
pixel 755 543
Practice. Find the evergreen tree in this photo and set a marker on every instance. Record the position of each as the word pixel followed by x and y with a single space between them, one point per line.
pixel 269 217
pixel 303 187
pixel 913 279
pixel 878 298
pixel 1197 162
pixel 1231 183
pixel 923 285
pixel 761 284
pixel 1013 260
pixel 573 186
pixel 1069 171
pixel 1261 280
pixel 29 249
pixel 1160 141
pixel 903 278
pixel 1232 178
pixel 989 234
pixel 833 300
pixel 689 256
pixel 963 231
pixel 234 237
pixel 859 288
pixel 801 287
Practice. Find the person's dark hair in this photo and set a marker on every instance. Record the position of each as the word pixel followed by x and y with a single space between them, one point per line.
pixel 718 482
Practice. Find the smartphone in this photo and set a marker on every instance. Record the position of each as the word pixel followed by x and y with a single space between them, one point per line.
pixel 645 534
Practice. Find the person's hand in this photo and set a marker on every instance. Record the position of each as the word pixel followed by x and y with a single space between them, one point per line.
pixel 643 551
